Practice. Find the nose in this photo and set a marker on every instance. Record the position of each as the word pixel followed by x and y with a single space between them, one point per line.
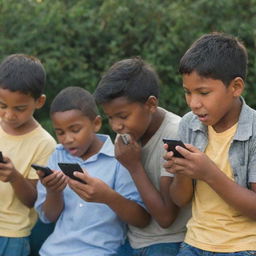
pixel 194 102
pixel 67 139
pixel 116 125
pixel 9 114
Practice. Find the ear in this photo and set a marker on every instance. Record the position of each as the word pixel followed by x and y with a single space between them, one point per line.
pixel 97 123
pixel 237 86
pixel 40 101
pixel 152 103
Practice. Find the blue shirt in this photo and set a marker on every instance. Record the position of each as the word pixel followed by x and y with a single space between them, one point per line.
pixel 242 152
pixel 86 228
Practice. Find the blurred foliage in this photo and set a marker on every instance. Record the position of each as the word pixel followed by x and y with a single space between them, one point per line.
pixel 78 39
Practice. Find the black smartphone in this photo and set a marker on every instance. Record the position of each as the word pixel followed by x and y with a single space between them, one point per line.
pixel 172 144
pixel 1 158
pixel 125 138
pixel 70 168
pixel 47 171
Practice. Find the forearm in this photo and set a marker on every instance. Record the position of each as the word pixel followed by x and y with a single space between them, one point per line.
pixel 181 190
pixel 128 210
pixel 240 198
pixel 163 211
pixel 53 205
pixel 25 190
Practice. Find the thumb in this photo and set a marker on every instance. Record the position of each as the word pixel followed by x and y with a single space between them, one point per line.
pixel 187 152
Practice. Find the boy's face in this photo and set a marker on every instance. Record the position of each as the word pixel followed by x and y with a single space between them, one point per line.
pixel 76 132
pixel 212 102
pixel 124 116
pixel 16 110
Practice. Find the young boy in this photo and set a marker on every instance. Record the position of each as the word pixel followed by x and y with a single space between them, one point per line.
pixel 128 93
pixel 219 169
pixel 90 216
pixel 23 142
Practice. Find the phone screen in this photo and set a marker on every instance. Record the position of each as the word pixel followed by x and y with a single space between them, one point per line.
pixel 70 168
pixel 172 144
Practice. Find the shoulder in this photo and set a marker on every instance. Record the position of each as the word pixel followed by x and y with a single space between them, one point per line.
pixel 41 136
pixel 168 127
pixel 188 118
pixel 170 119
pixel 247 121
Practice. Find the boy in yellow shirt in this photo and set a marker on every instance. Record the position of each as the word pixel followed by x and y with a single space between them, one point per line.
pixel 218 171
pixel 23 142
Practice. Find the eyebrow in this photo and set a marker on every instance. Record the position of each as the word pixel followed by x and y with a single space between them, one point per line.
pixel 197 89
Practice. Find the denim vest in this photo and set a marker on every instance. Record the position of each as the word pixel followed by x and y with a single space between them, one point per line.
pixel 242 151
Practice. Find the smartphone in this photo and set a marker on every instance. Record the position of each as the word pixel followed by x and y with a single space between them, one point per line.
pixel 70 168
pixel 47 171
pixel 125 138
pixel 1 158
pixel 172 144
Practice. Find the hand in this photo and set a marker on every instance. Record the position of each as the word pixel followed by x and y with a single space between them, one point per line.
pixel 195 164
pixel 128 155
pixel 55 182
pixel 8 173
pixel 92 190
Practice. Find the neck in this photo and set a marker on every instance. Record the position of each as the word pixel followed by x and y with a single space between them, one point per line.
pixel 156 121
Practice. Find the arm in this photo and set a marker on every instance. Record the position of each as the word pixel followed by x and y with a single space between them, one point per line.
pixel 158 203
pixel 181 189
pixel 24 189
pixel 197 165
pixel 54 202
pixel 95 190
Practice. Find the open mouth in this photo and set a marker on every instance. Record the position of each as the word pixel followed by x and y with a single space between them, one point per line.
pixel 72 151
pixel 202 117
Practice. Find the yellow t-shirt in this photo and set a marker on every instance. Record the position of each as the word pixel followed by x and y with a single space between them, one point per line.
pixel 215 225
pixel 16 219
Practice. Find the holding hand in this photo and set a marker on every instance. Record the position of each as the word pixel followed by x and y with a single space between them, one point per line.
pixel 92 190
pixel 8 173
pixel 195 164
pixel 129 155
pixel 55 182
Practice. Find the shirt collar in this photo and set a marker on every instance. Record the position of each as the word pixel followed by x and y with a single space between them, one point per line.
pixel 244 128
pixel 108 147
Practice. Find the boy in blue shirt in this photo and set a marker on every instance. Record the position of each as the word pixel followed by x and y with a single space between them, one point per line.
pixel 128 93
pixel 90 217
pixel 218 170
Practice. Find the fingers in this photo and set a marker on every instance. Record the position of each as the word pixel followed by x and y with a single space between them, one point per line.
pixel 56 181
pixel 85 177
pixel 188 151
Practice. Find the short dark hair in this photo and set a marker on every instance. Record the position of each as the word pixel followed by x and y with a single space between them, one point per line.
pixel 217 56
pixel 74 97
pixel 23 73
pixel 131 78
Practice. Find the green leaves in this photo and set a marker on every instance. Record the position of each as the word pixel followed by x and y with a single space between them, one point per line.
pixel 77 40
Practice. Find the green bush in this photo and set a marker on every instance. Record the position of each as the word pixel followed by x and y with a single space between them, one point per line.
pixel 78 40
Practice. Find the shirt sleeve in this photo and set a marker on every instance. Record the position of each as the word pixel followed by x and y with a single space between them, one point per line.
pixel 252 163
pixel 41 190
pixel 125 186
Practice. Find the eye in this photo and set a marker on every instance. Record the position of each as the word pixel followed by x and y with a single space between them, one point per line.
pixel 3 106
pixel 204 93
pixel 76 129
pixel 59 132
pixel 187 92
pixel 20 109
